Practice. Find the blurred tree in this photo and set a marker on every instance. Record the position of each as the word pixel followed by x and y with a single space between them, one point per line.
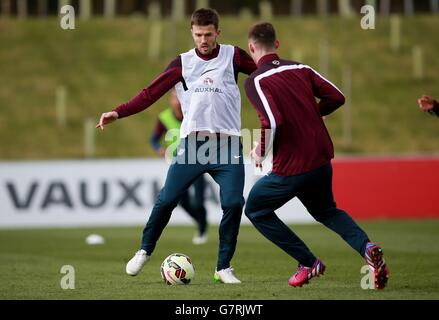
pixel 43 8
pixel 6 8
pixel 109 8
pixel 22 8
pixel 126 7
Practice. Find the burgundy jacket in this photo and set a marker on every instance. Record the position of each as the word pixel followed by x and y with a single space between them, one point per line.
pixel 284 95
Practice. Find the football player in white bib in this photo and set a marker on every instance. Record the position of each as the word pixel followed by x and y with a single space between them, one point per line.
pixel 206 82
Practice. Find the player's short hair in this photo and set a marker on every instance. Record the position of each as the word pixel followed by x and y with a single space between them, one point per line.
pixel 205 17
pixel 263 33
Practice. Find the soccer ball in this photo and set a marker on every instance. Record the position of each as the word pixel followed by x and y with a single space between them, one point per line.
pixel 177 268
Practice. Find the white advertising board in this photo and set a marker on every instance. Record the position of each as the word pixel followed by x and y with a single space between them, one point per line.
pixel 101 193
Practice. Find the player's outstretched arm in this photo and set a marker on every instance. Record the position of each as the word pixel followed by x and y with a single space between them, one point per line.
pixel 428 104
pixel 149 95
pixel 242 62
pixel 107 118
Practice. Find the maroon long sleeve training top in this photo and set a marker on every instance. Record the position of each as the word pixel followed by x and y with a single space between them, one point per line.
pixel 172 75
pixel 283 94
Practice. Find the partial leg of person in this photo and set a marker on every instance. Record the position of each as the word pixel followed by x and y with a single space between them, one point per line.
pixel 197 203
pixel 187 203
pixel 179 178
pixel 318 198
pixel 268 194
pixel 193 204
pixel 230 178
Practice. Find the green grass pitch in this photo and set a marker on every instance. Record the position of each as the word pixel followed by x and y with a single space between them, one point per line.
pixel 31 260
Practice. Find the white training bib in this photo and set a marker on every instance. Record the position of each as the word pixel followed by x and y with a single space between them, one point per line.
pixel 211 100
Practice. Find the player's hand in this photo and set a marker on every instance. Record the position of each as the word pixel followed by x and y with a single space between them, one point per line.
pixel 426 103
pixel 106 118
pixel 253 154
pixel 161 152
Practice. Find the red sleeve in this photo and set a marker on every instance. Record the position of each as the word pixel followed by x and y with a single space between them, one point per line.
pixel 243 62
pixel 330 96
pixel 267 131
pixel 157 134
pixel 435 109
pixel 158 87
